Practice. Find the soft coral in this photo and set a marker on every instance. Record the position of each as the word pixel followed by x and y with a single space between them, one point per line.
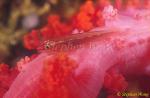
pixel 7 76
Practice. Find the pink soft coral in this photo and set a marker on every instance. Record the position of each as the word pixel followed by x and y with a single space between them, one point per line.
pixel 83 72
pixel 88 76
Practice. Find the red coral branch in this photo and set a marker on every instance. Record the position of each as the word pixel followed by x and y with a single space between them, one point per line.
pixel 7 76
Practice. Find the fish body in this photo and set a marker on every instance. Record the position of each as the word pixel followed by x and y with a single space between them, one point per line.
pixel 71 42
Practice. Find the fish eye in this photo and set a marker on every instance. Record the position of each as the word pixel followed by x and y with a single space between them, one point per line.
pixel 49 44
